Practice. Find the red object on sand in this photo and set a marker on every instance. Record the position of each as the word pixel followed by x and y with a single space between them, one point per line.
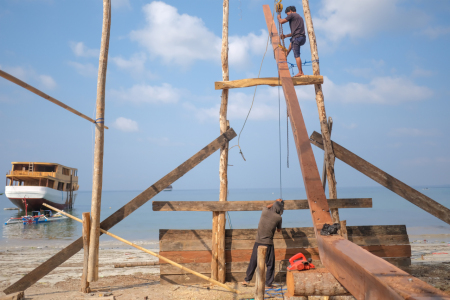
pixel 440 253
pixel 299 262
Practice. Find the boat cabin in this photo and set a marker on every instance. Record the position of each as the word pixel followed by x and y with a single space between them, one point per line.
pixel 51 175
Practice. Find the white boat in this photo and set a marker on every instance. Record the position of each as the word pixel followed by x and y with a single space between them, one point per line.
pixel 36 217
pixel 168 189
pixel 35 183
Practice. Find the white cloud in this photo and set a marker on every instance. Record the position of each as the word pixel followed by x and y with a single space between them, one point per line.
pixel 265 107
pixel 47 81
pixel 185 39
pixel 338 19
pixel 87 70
pixel 412 132
pixel 120 3
pixel 135 65
pixel 380 90
pixel 30 76
pixel 126 125
pixel 79 49
pixel 143 93
pixel 435 32
pixel 418 72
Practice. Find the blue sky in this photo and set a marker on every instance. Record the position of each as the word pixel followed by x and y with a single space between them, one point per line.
pixel 385 66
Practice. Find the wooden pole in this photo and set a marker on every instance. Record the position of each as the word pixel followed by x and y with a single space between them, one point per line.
pixel 99 143
pixel 43 95
pixel 260 285
pixel 86 232
pixel 218 258
pixel 322 114
pixel 324 170
pixel 149 252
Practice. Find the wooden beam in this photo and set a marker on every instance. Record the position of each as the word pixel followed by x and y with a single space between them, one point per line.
pixel 272 81
pixel 43 95
pixel 359 271
pixel 253 205
pixel 59 258
pixel 136 264
pixel 415 197
pixel 97 179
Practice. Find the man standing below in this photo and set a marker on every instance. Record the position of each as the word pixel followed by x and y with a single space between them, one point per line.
pixel 270 220
pixel 297 34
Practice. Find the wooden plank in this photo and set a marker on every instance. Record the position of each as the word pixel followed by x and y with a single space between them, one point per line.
pixel 304 242
pixel 415 197
pixel 97 178
pixel 184 257
pixel 49 265
pixel 140 264
pixel 272 81
pixel 43 95
pixel 253 205
pixel 286 233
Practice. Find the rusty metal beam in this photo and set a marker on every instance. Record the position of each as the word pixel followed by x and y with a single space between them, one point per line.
pixel 363 274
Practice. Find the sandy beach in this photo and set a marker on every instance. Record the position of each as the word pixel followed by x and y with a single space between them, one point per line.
pixel 430 263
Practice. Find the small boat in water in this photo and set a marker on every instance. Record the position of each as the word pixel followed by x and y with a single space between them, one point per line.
pixel 168 189
pixel 36 217
pixel 39 182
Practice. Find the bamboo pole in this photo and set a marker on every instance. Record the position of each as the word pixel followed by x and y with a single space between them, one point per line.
pixel 86 232
pixel 321 108
pixel 43 95
pixel 218 258
pixel 149 252
pixel 260 285
pixel 99 143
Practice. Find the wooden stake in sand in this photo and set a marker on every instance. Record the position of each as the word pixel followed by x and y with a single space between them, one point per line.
pixel 99 143
pixel 149 252
pixel 260 285
pixel 86 233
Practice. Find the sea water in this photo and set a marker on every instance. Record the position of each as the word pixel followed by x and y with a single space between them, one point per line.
pixel 144 224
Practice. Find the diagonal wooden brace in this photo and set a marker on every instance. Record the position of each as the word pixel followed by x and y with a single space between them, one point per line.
pixel 415 197
pixel 59 258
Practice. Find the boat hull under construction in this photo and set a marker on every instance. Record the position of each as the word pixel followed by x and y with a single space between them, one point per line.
pixel 36 195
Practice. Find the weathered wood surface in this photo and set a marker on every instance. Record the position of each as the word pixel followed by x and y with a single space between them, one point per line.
pixel 43 95
pixel 86 233
pixel 97 178
pixel 315 282
pixel 59 258
pixel 137 264
pixel 239 255
pixel 415 197
pixel 286 233
pixel 260 284
pixel 218 260
pixel 305 242
pixel 253 205
pixel 272 81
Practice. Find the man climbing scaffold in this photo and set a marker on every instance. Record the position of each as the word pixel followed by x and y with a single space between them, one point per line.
pixel 297 34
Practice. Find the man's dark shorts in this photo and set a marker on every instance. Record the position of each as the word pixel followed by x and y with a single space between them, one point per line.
pixel 296 44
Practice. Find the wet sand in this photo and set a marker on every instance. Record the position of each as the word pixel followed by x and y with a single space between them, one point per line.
pixel 430 262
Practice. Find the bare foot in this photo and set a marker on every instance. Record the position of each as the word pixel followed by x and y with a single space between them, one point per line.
pixel 245 283
pixel 299 74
